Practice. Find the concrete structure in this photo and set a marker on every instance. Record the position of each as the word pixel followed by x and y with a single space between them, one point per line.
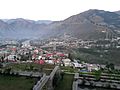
pixel 46 82
pixel 87 81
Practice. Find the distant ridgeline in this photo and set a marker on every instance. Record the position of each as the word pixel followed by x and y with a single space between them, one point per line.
pixel 91 24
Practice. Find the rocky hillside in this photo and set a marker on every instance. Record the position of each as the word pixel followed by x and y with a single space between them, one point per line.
pixel 91 24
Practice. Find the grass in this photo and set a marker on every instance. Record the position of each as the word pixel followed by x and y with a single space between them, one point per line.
pixel 23 66
pixel 10 82
pixel 31 67
pixel 66 83
pixel 69 69
pixel 16 83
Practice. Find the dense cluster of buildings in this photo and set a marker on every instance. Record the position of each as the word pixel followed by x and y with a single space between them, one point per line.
pixel 52 50
pixel 28 54
pixel 72 42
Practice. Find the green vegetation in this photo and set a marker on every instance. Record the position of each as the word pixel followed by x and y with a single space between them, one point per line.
pixel 16 83
pixel 69 69
pixel 110 69
pixel 98 74
pixel 24 66
pixel 65 83
pixel 30 67
pixel 97 55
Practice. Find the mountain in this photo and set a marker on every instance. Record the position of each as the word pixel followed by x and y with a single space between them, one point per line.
pixel 118 12
pixel 32 21
pixel 91 24
pixel 5 29
pixel 44 21
pixel 21 28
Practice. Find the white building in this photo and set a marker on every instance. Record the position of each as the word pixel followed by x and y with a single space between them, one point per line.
pixel 67 62
pixel 93 67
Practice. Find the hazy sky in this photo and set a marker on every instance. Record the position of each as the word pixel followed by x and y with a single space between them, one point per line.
pixel 52 9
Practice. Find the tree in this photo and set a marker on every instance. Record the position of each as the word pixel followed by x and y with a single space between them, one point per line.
pixel 70 56
pixel 15 58
pixel 110 66
pixel 98 74
pixel 24 58
pixel 7 70
pixel 1 65
pixel 2 59
pixel 31 67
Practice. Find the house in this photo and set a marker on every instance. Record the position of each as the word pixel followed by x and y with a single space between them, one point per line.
pixel 77 65
pixel 11 57
pixel 39 61
pixel 93 67
pixel 67 62
pixel 49 61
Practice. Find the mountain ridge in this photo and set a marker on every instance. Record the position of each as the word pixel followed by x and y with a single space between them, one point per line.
pixel 91 24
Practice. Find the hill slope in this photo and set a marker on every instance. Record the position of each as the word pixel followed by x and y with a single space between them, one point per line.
pixel 89 25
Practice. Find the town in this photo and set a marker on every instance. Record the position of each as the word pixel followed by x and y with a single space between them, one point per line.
pixel 51 61
pixel 59 44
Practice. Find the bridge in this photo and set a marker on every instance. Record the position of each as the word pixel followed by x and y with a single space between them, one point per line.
pixel 46 82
